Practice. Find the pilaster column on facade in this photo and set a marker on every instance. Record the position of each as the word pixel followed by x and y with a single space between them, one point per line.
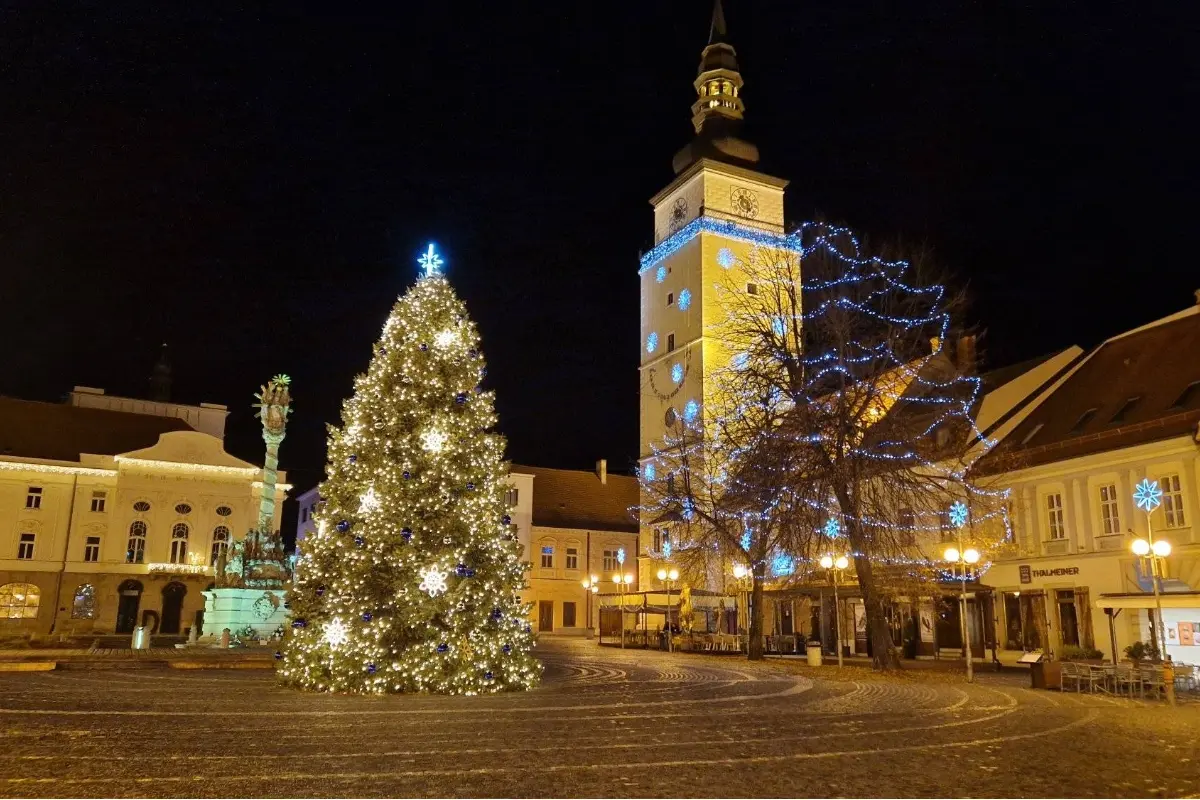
pixel 1032 543
pixel 1081 541
pixel 1137 521
pixel 1191 505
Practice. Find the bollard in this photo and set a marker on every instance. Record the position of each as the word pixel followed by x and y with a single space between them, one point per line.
pixel 1169 680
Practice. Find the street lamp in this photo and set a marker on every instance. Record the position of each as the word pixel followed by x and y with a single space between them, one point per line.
pixel 669 576
pixel 622 582
pixel 745 581
pixel 965 560
pixel 590 587
pixel 836 568
pixel 1148 497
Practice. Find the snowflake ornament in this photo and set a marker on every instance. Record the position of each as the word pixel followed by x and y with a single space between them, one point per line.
pixel 434 441
pixel 445 338
pixel 336 633
pixel 958 514
pixel 832 527
pixel 1147 495
pixel 433 581
pixel 368 503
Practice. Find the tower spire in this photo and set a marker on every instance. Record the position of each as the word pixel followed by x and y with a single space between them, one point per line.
pixel 718 111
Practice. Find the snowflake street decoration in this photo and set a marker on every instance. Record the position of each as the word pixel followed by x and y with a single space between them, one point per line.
pixel 433 581
pixel 368 503
pixel 434 441
pixel 431 262
pixel 336 633
pixel 649 472
pixel 445 338
pixel 745 541
pixel 1147 495
pixel 620 555
pixel 832 528
pixel 666 548
pixel 958 514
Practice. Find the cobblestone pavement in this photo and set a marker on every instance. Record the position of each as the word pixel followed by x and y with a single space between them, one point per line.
pixel 604 723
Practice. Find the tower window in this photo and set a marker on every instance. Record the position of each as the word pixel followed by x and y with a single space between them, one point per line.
pixel 670 342
pixel 33 497
pixel 752 288
pixel 670 298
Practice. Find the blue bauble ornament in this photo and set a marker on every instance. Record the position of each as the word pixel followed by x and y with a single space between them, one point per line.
pixel 366 616
pixel 487 675
pixel 528 628
pixel 497 613
pixel 407 474
pixel 470 487
pixel 441 648
pixel 343 526
pixel 352 458
pixel 358 540
pixel 507 649
pixel 424 347
pixel 460 399
pixel 461 570
pixel 506 519
pixel 473 353
pixel 383 351
pixel 278 655
pixel 298 623
pixel 482 372
pixel 406 534
pixel 320 591
pixel 370 669
pixel 470 573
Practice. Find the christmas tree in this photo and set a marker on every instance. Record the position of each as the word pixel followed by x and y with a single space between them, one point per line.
pixel 410 582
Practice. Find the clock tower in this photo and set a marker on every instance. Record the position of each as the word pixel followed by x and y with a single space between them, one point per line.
pixel 707 220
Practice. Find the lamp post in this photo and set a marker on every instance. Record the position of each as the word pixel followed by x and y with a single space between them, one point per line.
pixel 590 587
pixel 1148 496
pixel 836 568
pixel 745 581
pixel 963 560
pixel 669 576
pixel 622 582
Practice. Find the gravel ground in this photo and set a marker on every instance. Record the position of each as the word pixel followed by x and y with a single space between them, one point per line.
pixel 604 723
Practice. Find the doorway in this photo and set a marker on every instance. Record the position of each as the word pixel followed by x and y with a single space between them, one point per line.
pixel 172 606
pixel 545 616
pixel 130 597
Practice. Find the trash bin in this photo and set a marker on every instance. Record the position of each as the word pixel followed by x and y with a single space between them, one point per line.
pixel 813 651
pixel 141 639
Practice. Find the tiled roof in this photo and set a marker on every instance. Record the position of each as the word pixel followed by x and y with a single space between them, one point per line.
pixel 60 432
pixel 1092 411
pixel 566 498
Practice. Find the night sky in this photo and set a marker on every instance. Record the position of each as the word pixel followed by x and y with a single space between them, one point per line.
pixel 253 186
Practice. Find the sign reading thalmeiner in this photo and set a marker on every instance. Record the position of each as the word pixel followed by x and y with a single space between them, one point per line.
pixel 1028 573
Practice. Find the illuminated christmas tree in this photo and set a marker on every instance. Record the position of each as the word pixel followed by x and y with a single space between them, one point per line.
pixel 410 582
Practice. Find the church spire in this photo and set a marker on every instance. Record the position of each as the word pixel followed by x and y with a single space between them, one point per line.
pixel 718 110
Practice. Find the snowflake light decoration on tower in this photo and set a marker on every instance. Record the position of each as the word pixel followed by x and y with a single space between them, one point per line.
pixel 368 503
pixel 434 441
pixel 725 257
pixel 336 633
pixel 685 299
pixel 431 262
pixel 433 581
pixel 958 513
pixel 651 342
pixel 1147 495
pixel 690 411
pixel 677 373
pixel 660 274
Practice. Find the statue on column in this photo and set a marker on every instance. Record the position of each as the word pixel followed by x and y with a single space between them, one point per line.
pixel 257 561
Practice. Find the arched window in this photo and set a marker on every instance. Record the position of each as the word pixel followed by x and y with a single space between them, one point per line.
pixel 179 543
pixel 19 601
pixel 220 543
pixel 135 550
pixel 84 606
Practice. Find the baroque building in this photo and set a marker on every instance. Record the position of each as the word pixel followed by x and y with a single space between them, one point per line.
pixel 113 511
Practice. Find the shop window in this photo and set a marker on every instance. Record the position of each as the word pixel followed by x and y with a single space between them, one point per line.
pixel 1068 619
pixel 1110 515
pixel 33 497
pixel 1172 501
pixel 25 546
pixel 568 615
pixel 91 548
pixel 135 548
pixel 19 601
pixel 84 605
pixel 1054 516
pixel 98 501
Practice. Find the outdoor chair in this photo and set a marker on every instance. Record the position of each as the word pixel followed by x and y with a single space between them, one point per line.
pixel 1152 678
pixel 1185 676
pixel 1125 678
pixel 1070 673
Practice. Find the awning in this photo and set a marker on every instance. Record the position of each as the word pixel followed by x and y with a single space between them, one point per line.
pixel 1141 600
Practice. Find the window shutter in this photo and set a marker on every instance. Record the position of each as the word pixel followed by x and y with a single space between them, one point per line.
pixel 1083 612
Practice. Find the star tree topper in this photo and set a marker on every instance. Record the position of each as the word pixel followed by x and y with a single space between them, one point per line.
pixel 431 262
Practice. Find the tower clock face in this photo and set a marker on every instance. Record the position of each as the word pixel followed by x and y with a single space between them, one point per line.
pixel 678 213
pixel 745 202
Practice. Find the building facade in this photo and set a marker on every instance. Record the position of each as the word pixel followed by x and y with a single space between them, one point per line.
pixel 306 522
pixel 113 511
pixel 1128 411
pixel 573 525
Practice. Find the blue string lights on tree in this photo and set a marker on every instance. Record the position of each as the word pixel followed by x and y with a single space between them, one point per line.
pixel 792 371
pixel 387 609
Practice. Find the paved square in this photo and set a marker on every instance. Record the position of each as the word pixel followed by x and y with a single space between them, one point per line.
pixel 604 723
